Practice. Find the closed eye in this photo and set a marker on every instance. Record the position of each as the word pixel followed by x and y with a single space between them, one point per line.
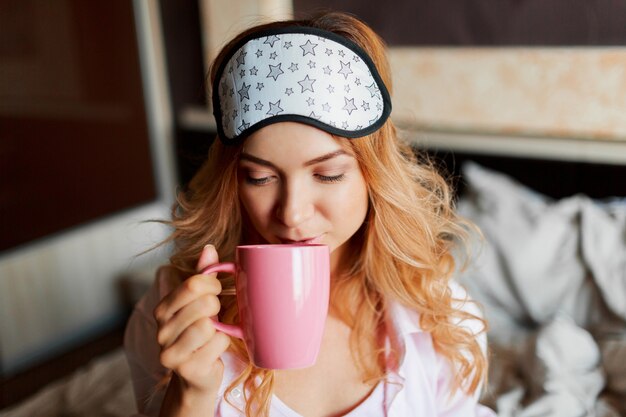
pixel 258 181
pixel 331 178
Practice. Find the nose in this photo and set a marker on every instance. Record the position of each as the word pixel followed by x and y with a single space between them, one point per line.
pixel 295 205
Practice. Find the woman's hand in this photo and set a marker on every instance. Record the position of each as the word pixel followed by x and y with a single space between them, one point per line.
pixel 190 346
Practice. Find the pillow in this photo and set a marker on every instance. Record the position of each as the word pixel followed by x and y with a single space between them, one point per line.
pixel 530 258
pixel 541 256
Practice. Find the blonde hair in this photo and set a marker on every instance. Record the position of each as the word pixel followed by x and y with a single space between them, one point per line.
pixel 402 252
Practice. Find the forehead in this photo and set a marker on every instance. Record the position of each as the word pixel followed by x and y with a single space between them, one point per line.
pixel 291 142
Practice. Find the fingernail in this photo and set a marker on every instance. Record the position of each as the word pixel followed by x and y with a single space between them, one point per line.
pixel 209 246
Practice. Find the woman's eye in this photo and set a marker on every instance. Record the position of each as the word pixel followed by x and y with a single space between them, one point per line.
pixel 258 181
pixel 331 178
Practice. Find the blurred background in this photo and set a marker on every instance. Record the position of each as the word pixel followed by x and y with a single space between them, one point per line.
pixel 104 114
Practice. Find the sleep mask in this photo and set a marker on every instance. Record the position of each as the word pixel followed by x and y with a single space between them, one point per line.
pixel 299 74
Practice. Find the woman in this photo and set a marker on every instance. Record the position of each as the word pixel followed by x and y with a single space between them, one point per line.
pixel 307 153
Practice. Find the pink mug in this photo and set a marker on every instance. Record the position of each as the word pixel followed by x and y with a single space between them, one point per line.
pixel 282 296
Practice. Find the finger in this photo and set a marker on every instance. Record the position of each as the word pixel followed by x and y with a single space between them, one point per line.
pixel 207 257
pixel 191 339
pixel 188 291
pixel 207 356
pixel 205 306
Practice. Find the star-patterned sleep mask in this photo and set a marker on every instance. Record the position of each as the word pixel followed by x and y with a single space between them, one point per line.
pixel 299 74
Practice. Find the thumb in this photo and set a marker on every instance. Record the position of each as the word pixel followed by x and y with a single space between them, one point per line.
pixel 207 257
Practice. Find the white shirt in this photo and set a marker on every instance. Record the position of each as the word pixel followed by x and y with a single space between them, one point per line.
pixel 418 388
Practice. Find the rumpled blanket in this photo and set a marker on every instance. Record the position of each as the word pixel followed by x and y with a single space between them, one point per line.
pixel 100 389
pixel 551 276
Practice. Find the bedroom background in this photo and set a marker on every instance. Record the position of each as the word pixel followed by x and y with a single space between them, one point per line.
pixel 103 113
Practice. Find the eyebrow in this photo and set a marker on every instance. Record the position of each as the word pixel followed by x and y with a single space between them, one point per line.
pixel 313 161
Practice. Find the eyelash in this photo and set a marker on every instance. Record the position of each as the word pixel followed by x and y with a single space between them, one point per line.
pixel 322 178
pixel 257 181
pixel 333 178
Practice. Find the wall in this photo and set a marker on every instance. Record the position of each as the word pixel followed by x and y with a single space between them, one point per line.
pixel 59 290
pixel 556 92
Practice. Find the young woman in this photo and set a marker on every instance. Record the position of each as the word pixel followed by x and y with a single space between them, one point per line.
pixel 306 152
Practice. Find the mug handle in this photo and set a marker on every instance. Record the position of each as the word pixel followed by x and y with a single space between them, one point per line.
pixel 230 329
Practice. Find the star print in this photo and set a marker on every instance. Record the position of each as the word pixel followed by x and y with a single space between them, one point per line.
pixel 293 67
pixel 242 73
pixel 344 125
pixel 327 70
pixel 230 69
pixel 331 89
pixel 329 52
pixel 310 101
pixel 287 45
pixel 372 121
pixel 372 89
pixel 378 106
pixel 308 48
pixel 333 124
pixel 234 114
pixel 311 64
pixel 258 105
pixel 349 107
pixel 270 40
pixel 241 59
pixel 274 108
pixel 307 84
pixel 358 127
pixel 345 69
pixel 243 92
pixel 246 108
pixel 347 88
pixel 253 71
pixel 355 58
pixel 326 107
pixel 259 53
pixel 314 116
pixel 243 125
pixel 275 71
pixel 224 88
pixel 289 91
pixel 273 55
pixel 357 81
pixel 365 105
pixel 259 86
pixel 342 53
pixel 231 92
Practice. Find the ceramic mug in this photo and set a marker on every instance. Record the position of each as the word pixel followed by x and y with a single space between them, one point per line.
pixel 282 296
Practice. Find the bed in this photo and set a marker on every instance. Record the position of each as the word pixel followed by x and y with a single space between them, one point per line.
pixel 550 274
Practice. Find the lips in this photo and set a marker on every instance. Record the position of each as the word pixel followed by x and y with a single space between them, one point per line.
pixel 306 241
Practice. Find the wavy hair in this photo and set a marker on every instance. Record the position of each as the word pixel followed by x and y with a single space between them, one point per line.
pixel 402 253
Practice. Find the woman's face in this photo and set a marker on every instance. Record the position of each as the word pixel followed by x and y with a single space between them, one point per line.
pixel 297 183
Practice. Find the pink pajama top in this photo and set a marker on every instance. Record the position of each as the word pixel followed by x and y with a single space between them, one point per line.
pixel 418 388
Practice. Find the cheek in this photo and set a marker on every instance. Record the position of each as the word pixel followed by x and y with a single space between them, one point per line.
pixel 256 206
pixel 360 203
pixel 350 204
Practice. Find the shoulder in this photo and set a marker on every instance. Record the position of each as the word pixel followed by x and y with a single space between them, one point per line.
pixel 140 346
pixel 411 335
pixel 407 320
pixel 473 320
pixel 141 324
